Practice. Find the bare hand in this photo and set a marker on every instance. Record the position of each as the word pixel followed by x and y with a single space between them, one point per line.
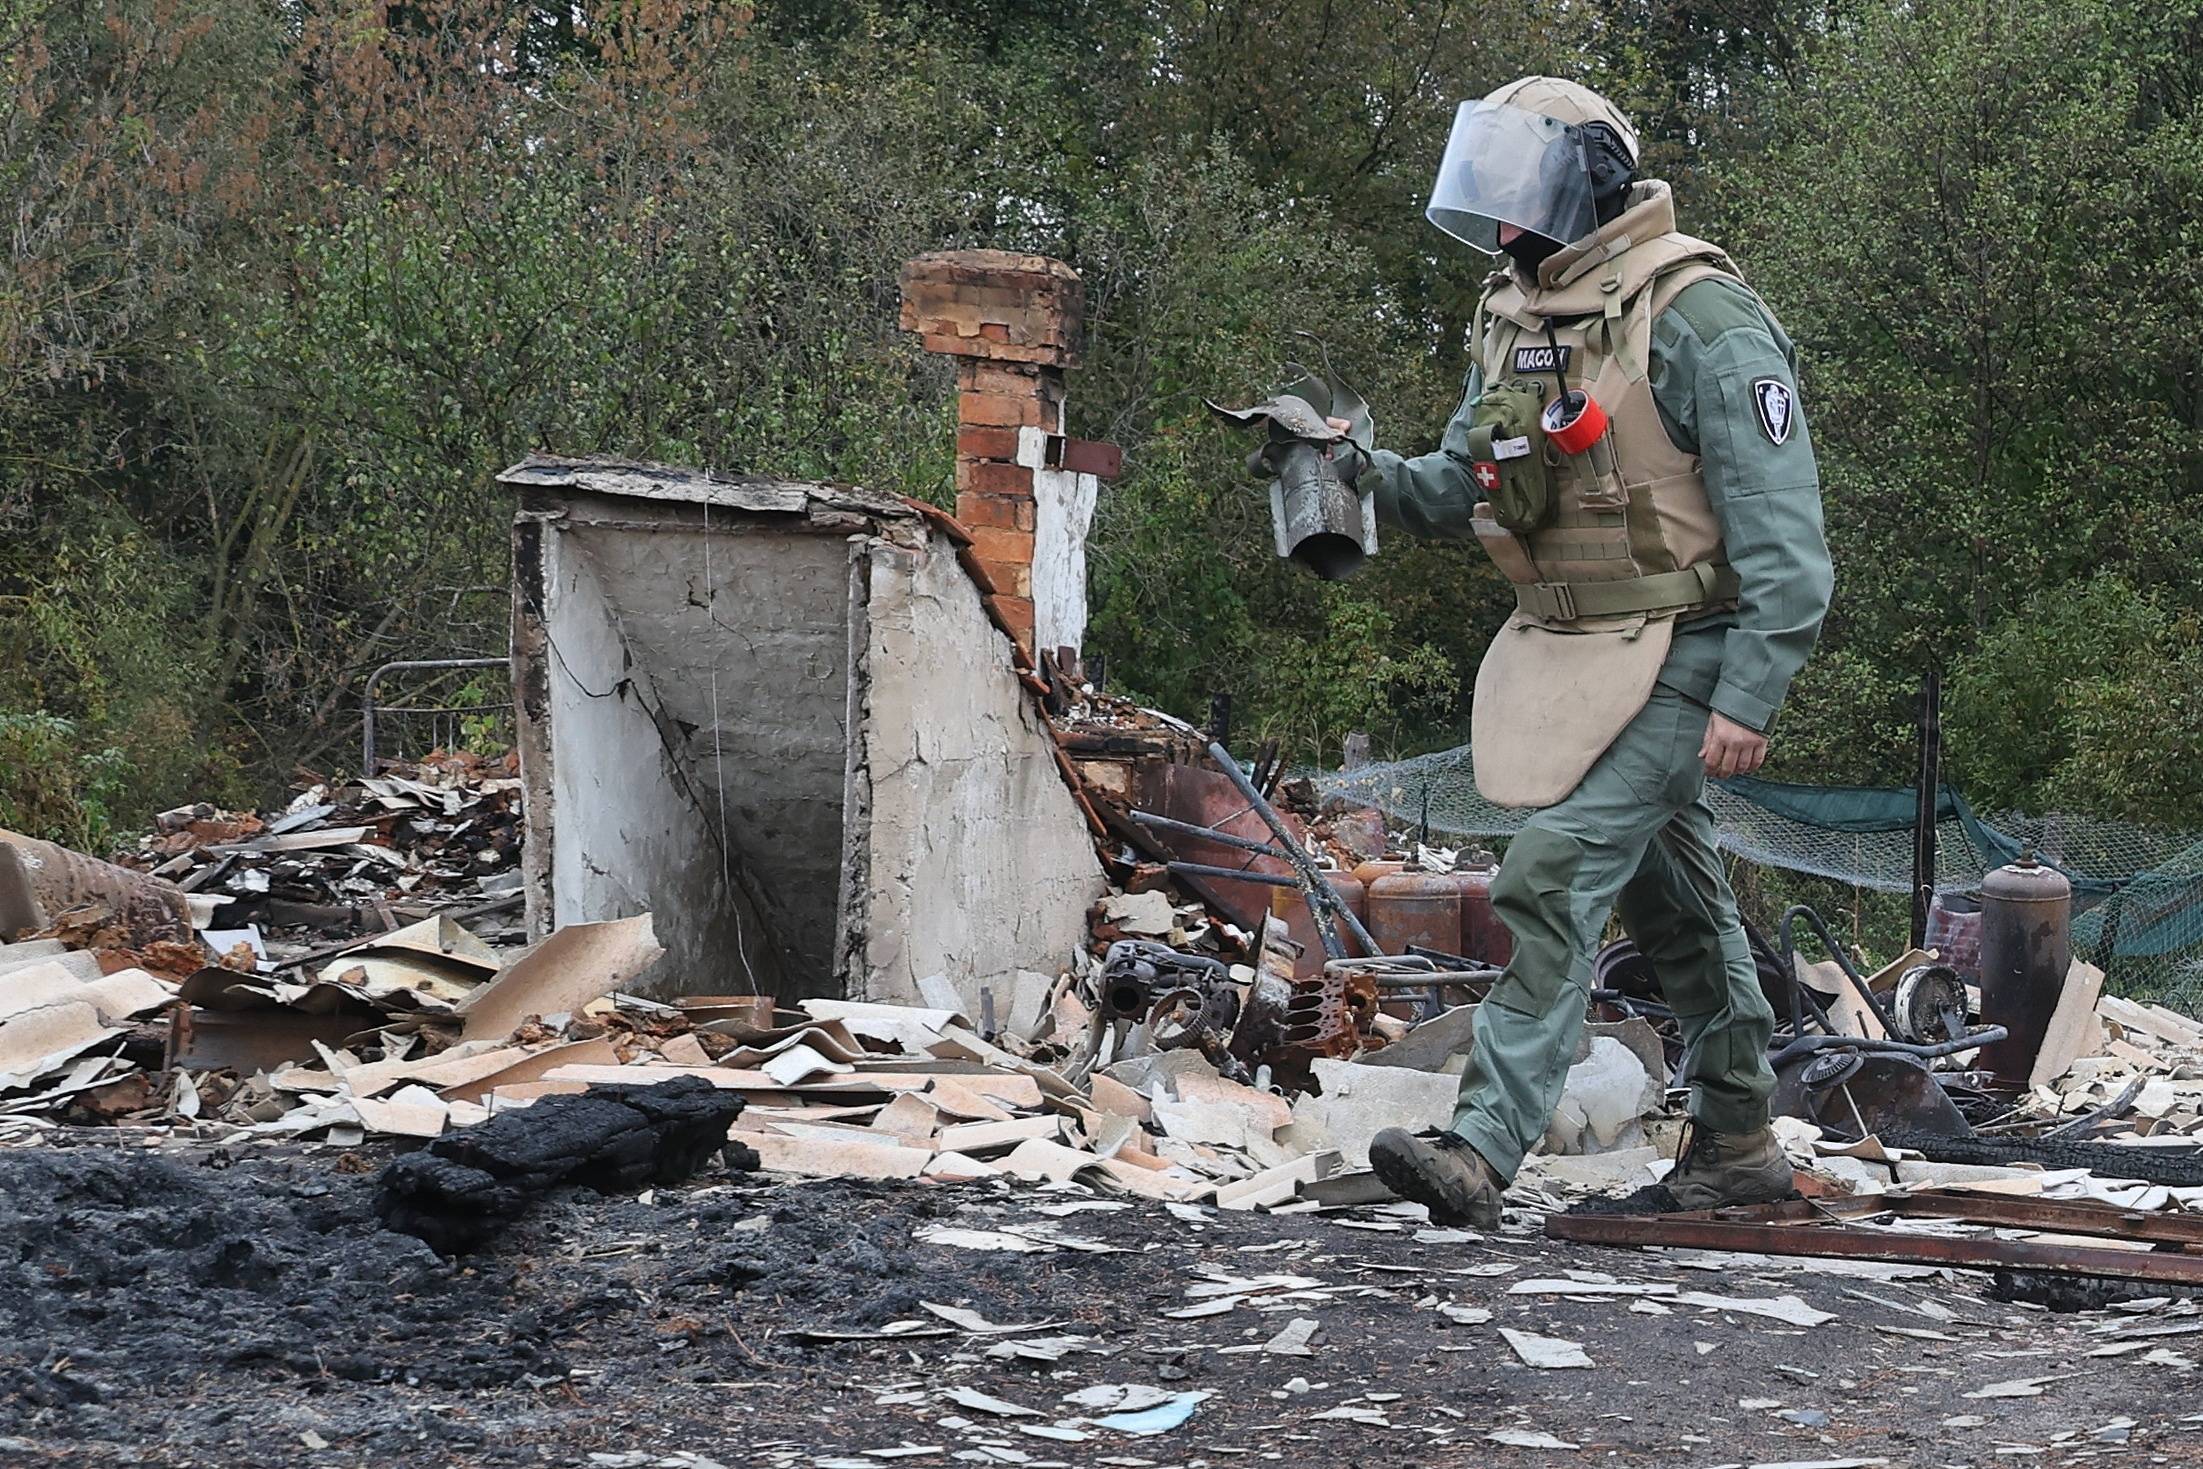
pixel 1338 423
pixel 1731 749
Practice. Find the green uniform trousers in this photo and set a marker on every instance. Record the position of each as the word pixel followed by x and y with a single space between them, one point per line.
pixel 1636 837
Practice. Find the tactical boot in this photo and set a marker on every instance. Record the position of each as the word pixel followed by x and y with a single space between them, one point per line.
pixel 1440 1171
pixel 1716 1169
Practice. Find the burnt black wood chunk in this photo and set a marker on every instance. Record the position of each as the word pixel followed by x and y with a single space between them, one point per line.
pixel 466 1187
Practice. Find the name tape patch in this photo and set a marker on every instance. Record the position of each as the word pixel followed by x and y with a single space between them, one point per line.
pixel 1540 359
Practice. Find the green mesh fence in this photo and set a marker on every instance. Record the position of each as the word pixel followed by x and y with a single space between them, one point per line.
pixel 2138 892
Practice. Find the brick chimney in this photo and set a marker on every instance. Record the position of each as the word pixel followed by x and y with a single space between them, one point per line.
pixel 1023 491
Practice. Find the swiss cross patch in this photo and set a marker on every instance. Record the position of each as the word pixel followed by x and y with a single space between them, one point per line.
pixel 1777 403
pixel 1486 475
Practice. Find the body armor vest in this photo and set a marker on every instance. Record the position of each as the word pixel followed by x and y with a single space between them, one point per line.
pixel 1622 539
pixel 1631 534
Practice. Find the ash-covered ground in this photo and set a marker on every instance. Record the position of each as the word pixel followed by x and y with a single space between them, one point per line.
pixel 187 1308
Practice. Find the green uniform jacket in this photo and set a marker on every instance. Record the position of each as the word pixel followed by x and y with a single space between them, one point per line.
pixel 1710 351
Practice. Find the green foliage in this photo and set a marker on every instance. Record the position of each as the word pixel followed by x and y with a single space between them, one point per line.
pixel 287 291
pixel 53 784
pixel 2041 674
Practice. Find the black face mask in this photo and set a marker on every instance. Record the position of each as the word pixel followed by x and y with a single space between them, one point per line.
pixel 1529 251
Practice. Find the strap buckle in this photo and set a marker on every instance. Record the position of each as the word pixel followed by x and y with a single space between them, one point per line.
pixel 1555 600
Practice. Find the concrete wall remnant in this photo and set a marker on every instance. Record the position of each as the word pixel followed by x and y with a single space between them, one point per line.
pixel 779 716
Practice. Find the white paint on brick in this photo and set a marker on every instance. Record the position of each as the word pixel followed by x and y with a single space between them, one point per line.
pixel 1063 511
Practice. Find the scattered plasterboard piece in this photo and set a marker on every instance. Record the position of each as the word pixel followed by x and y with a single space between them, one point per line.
pixel 1792 1310
pixel 579 963
pixel 909 1117
pixel 533 1066
pixel 46 1039
pixel 983 1137
pixel 1357 1102
pixel 986 1241
pixel 1296 1340
pixel 1278 1185
pixel 685 1050
pixel 1112 1095
pixel 469 1061
pixel 440 937
pixel 2075 1031
pixel 963 1103
pixel 813 1158
pixel 414 1111
pixel 116 996
pixel 1527 1438
pixel 1148 914
pixel 126 993
pixel 799 1063
pixel 956 1167
pixel 2150 1020
pixel 1166 1184
pixel 1545 1351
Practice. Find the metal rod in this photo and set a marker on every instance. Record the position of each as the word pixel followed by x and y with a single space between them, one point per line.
pixel 1235 874
pixel 1206 833
pixel 1987 1035
pixel 1925 794
pixel 1324 904
pixel 1876 1244
pixel 367 695
pixel 1799 1229
pixel 2118 1106
pixel 1835 951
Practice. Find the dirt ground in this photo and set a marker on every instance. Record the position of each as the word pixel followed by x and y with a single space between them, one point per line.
pixel 190 1308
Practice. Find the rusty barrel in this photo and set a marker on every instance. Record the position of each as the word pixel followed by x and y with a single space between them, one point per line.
pixel 1415 907
pixel 2026 949
pixel 1483 936
pixel 1291 907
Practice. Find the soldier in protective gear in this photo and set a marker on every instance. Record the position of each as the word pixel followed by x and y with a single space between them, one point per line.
pixel 1631 453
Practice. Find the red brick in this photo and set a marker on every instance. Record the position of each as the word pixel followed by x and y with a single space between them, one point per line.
pixel 1015 614
pixel 1009 578
pixel 1000 410
pixel 979 477
pixel 986 443
pixel 1003 512
pixel 992 544
pixel 1013 379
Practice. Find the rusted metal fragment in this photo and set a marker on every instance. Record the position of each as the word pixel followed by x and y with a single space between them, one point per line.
pixel 1817 1228
pixel 145 909
pixel 1196 796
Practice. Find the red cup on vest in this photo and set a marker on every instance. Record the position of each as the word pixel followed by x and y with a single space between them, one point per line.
pixel 1574 421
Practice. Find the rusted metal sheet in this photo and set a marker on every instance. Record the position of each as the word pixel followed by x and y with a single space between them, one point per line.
pixel 1195 796
pixel 1084 456
pixel 246 1041
pixel 1819 1228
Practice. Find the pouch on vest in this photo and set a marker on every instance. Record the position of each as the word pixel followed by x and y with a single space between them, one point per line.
pixel 1507 447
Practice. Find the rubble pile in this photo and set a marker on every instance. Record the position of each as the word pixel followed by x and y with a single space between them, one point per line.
pixel 346 857
pixel 1209 1046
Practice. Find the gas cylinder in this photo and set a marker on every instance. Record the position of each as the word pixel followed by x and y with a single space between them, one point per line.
pixel 1412 906
pixel 1483 936
pixel 1954 932
pixel 1291 908
pixel 1368 872
pixel 2026 948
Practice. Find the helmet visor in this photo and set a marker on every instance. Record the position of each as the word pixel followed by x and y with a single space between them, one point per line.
pixel 1504 165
